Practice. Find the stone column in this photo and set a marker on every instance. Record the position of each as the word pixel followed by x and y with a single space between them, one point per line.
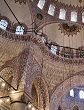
pixel 18 106
pixel 18 101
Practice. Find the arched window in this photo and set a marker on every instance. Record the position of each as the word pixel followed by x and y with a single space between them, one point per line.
pixel 54 49
pixel 3 24
pixel 19 30
pixel 81 94
pixel 74 16
pixel 41 4
pixel 83 17
pixel 51 10
pixel 72 93
pixel 62 14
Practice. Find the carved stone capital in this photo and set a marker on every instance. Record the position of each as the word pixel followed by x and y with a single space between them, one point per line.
pixel 20 97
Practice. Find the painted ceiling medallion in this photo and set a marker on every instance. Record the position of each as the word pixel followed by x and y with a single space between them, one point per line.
pixel 71 29
pixel 21 1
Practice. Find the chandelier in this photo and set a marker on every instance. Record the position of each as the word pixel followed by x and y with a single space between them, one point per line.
pixel 21 1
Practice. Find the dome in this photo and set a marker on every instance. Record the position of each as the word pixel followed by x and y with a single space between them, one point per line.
pixel 41 55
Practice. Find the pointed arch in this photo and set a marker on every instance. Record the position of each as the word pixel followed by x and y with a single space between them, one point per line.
pixel 42 91
pixel 64 88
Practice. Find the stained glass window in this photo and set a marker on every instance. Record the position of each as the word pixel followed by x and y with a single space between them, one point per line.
pixel 51 10
pixel 74 16
pixel 3 24
pixel 81 94
pixel 62 14
pixel 19 30
pixel 41 4
pixel 72 93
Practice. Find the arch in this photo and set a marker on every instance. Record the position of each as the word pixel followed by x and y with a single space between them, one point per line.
pixel 42 92
pixel 22 70
pixel 34 95
pixel 17 64
pixel 7 75
pixel 64 88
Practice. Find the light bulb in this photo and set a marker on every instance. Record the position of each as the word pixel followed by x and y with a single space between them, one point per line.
pixel 3 84
pixel 1 101
pixel 29 105
pixel 33 108
pixel 7 100
pixel 8 89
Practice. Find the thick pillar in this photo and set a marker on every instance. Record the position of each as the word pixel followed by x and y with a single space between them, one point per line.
pixel 18 106
pixel 18 101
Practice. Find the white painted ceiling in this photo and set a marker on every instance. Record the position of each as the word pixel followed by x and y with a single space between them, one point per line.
pixel 22 11
pixel 55 35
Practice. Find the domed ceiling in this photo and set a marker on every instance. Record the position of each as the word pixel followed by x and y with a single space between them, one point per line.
pixel 8 48
pixel 69 36
pixel 55 33
pixel 64 32
pixel 58 35
pixel 22 12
